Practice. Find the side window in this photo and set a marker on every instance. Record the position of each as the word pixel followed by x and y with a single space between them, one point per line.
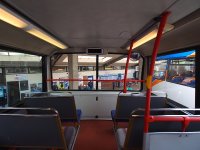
pixel 178 68
pixel 20 73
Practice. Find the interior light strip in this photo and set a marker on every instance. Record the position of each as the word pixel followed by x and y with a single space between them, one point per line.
pixel 151 35
pixel 12 18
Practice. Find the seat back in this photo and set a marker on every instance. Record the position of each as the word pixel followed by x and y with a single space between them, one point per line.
pixel 176 140
pixel 35 128
pixel 134 137
pixel 65 105
pixel 127 103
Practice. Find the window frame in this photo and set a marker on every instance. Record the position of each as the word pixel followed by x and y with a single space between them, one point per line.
pixel 97 72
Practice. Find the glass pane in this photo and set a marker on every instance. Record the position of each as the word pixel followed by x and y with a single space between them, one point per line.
pixel 160 70
pixel 59 71
pixel 87 71
pixel 74 66
pixel 67 67
pixel 178 68
pixel 182 74
pixel 114 68
pixel 20 73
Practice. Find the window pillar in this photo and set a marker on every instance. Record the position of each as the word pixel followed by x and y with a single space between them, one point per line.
pixel 73 70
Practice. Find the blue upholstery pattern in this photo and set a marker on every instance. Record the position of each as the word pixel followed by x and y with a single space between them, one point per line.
pixel 78 113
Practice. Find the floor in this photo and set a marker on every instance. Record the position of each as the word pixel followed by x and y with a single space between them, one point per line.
pixel 96 135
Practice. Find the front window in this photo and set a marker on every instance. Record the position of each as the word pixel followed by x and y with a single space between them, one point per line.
pixel 67 68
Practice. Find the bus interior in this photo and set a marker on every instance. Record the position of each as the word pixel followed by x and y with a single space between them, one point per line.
pixel 100 75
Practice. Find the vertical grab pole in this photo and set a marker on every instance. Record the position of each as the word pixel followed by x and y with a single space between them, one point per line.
pixel 126 69
pixel 149 77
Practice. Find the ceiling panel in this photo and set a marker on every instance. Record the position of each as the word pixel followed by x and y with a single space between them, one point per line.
pixel 92 23
pixel 182 8
pixel 182 37
pixel 17 38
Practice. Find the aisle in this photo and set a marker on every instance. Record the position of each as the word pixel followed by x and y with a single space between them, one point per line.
pixel 96 135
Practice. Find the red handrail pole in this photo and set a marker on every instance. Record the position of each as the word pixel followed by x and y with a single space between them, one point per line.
pixel 127 63
pixel 149 78
pixel 121 80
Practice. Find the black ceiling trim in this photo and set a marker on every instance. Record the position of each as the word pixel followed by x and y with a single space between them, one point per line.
pixel 57 57
pixel 57 53
pixel 14 49
pixel 197 47
pixel 124 53
pixel 187 19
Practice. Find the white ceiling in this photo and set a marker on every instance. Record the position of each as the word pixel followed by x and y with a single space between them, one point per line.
pixel 107 24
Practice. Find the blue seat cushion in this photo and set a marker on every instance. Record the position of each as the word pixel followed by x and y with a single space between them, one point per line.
pixel 79 113
pixel 113 114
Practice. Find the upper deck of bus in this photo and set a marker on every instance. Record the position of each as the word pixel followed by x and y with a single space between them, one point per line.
pixel 97 49
pixel 58 32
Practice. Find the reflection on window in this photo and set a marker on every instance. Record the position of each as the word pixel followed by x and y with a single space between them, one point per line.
pixel 35 69
pixel 182 74
pixel 178 68
pixel 160 70
pixel 16 70
pixel 59 69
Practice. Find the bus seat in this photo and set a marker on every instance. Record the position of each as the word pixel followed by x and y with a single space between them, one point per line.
pixel 39 128
pixel 132 138
pixel 127 103
pixel 168 140
pixel 65 105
